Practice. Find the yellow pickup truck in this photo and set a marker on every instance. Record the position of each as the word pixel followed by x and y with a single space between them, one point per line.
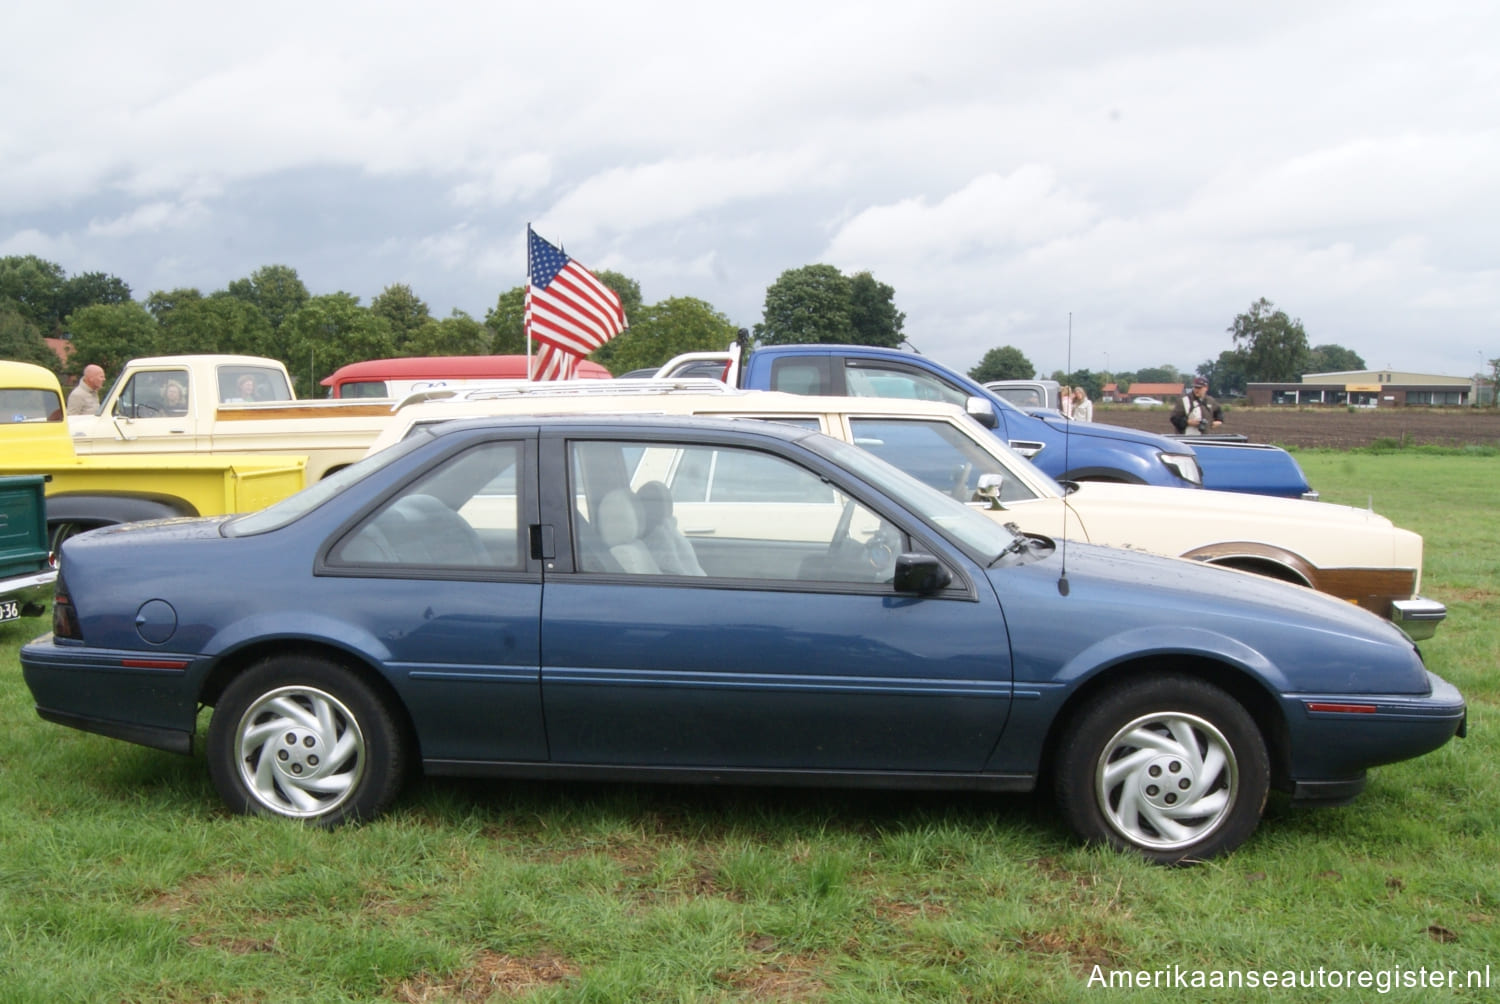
pixel 93 491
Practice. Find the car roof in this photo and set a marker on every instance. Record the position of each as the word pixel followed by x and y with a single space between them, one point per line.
pixel 614 422
pixel 740 402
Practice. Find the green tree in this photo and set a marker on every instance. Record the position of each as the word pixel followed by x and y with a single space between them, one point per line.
pixel 1165 373
pixel 21 341
pixel 89 289
pixel 404 311
pixel 110 334
pixel 1091 382
pixel 1275 346
pixel 1225 375
pixel 163 302
pixel 331 331
pixel 506 322
pixel 1333 359
pixel 34 288
pixel 458 335
pixel 219 324
pixel 275 290
pixel 1003 363
pixel 673 326
pixel 873 313
pixel 811 304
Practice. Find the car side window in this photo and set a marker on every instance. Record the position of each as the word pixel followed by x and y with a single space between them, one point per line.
pixel 153 394
pixel 721 512
pixel 465 513
pixel 867 380
pixel 801 375
pixel 240 384
pixel 937 454
pixel 29 404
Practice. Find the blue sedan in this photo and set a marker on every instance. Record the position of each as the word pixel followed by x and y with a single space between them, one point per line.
pixel 696 600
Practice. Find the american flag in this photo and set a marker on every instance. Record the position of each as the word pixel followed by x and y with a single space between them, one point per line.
pixel 569 312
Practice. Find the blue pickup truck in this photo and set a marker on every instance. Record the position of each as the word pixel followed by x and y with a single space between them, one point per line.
pixel 1071 451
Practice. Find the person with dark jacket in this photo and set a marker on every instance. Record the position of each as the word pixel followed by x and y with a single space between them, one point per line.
pixel 1194 414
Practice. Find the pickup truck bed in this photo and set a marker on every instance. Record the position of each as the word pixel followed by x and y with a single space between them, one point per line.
pixel 26 571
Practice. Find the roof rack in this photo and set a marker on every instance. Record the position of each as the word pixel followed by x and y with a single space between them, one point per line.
pixel 503 389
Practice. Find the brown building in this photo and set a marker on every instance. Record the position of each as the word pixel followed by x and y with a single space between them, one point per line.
pixel 1366 389
pixel 1160 391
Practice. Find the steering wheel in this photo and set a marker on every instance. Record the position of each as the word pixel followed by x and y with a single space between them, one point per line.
pixel 960 489
pixel 881 549
pixel 841 531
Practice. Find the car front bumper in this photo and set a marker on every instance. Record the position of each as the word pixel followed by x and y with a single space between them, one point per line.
pixel 1419 617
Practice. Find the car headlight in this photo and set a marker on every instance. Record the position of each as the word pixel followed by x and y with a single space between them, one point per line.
pixel 1185 466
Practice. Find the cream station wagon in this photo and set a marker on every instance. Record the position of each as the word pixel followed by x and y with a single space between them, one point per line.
pixel 1354 554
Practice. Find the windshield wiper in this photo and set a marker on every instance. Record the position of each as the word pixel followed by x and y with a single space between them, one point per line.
pixel 1018 545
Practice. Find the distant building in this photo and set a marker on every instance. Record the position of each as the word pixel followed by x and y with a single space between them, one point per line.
pixel 1366 389
pixel 1164 391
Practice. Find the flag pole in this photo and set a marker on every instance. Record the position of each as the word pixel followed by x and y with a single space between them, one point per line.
pixel 526 308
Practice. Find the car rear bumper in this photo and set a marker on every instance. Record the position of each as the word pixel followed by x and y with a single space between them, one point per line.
pixel 30 592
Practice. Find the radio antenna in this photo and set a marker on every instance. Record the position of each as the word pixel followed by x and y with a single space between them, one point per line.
pixel 1062 579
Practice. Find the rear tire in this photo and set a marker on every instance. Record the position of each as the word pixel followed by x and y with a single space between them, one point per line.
pixel 1167 766
pixel 304 738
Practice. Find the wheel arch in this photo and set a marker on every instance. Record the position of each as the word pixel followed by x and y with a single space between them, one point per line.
pixel 1261 559
pixel 1112 475
pixel 232 664
pixel 1250 692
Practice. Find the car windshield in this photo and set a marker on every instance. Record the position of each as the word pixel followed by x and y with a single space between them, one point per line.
pixel 981 537
pixel 296 506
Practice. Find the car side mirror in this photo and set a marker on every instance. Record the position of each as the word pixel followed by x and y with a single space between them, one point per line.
pixel 920 573
pixel 982 412
pixel 988 490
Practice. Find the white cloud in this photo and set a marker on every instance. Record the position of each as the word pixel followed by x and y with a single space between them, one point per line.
pixel 1150 167
pixel 153 217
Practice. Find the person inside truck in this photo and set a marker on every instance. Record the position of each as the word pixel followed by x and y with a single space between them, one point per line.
pixel 174 399
pixel 244 390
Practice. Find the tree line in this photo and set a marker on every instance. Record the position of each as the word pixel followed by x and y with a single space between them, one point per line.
pixel 1269 347
pixel 272 313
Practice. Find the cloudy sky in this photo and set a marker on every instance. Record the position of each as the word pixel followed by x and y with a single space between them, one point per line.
pixel 1147 170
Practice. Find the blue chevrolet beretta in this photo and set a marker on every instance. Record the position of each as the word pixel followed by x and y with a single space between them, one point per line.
pixel 686 600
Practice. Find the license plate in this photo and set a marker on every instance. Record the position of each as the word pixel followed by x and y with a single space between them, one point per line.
pixel 9 610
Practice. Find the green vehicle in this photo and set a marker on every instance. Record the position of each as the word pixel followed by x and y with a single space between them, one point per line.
pixel 27 573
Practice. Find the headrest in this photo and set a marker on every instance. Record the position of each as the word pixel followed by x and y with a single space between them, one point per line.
pixel 619 520
pixel 656 503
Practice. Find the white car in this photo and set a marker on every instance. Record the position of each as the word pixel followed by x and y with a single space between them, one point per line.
pixel 1351 553
pixel 1147 402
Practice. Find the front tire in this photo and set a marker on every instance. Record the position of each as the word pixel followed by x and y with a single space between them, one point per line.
pixel 303 738
pixel 1169 767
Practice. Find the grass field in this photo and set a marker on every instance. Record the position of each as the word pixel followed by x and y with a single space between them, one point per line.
pixel 122 880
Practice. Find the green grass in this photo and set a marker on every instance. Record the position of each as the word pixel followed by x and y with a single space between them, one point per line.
pixel 121 879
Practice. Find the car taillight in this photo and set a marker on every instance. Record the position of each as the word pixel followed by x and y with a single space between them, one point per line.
pixel 64 616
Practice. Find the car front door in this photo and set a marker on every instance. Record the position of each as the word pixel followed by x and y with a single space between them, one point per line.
pixel 441 573
pixel 786 649
pixel 154 410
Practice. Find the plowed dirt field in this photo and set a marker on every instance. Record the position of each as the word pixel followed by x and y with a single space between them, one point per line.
pixel 1335 428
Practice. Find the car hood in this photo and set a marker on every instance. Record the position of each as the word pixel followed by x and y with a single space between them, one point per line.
pixel 1171 521
pixel 1142 605
pixel 1101 430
